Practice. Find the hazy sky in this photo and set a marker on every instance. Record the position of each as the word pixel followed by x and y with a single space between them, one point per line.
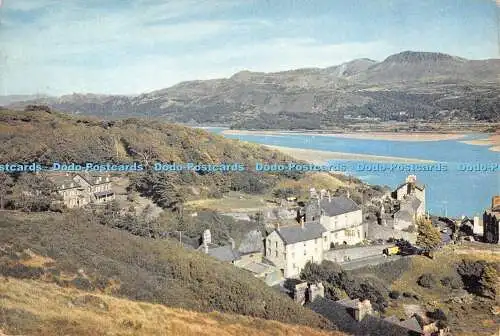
pixel 122 46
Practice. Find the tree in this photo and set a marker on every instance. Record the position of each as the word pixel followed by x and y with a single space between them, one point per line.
pixel 489 281
pixel 428 235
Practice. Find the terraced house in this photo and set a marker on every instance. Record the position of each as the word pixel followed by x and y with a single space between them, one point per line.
pixel 324 222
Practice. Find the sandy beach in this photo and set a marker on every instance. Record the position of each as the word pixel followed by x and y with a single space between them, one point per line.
pixel 493 141
pixel 320 157
pixel 367 135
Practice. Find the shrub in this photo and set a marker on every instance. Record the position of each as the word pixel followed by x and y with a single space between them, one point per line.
pixel 452 282
pixel 427 280
pixel 437 314
pixel 394 294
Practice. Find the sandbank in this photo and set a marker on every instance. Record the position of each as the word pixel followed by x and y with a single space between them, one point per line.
pixel 320 156
pixel 390 136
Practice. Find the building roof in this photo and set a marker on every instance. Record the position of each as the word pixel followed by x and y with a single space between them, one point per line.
pixel 419 186
pixel 64 180
pixel 223 253
pixel 403 214
pixel 338 205
pixel 411 324
pixel 295 234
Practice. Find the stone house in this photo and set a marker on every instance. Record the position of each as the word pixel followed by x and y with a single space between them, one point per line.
pixel 324 222
pixel 491 222
pixel 411 187
pixel 341 216
pixel 290 248
pixel 78 190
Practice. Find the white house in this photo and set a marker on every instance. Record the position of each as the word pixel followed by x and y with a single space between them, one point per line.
pixel 290 248
pixel 326 221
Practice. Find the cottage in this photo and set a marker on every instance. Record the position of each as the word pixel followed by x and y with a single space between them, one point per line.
pixel 411 188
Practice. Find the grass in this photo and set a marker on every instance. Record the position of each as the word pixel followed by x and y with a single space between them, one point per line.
pixel 74 312
pixel 231 202
pixel 474 318
pixel 90 256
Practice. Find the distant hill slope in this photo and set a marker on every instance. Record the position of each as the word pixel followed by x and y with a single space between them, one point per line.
pixel 43 137
pixel 73 251
pixel 75 312
pixel 404 86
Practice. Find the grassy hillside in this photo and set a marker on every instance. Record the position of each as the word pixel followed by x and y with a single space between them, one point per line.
pixel 70 311
pixel 73 251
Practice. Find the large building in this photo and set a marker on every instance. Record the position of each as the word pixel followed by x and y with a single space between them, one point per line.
pixel 78 190
pixel 324 222
pixel 491 222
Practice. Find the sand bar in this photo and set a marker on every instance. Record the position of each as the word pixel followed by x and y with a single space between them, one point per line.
pixel 493 141
pixel 320 156
pixel 391 136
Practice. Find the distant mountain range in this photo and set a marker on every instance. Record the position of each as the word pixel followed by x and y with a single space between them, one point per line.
pixel 405 86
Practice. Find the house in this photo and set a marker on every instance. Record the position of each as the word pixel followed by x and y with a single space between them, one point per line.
pixel 411 188
pixel 340 215
pixel 290 248
pixel 78 190
pixel 491 222
pixel 324 222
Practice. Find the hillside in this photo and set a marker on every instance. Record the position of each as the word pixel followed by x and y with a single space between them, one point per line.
pixel 75 312
pixel 409 85
pixel 73 251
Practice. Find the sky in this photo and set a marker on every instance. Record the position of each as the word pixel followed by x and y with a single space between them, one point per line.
pixel 59 47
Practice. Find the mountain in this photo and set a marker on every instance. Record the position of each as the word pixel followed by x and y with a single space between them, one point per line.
pixel 405 86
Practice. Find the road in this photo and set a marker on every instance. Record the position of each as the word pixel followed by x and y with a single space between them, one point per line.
pixel 368 261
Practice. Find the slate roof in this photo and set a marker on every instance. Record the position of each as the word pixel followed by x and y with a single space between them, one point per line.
pixel 64 180
pixel 419 186
pixel 338 205
pixel 223 253
pixel 295 234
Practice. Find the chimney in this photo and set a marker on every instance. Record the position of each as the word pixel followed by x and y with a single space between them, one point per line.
pixel 302 222
pixel 205 248
pixel 278 226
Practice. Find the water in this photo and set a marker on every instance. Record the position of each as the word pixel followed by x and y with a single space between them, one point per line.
pixel 454 192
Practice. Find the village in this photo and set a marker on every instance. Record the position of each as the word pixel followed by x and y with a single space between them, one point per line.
pixel 327 226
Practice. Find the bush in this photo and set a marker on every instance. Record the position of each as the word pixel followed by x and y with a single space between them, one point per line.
pixel 437 314
pixel 427 280
pixel 452 282
pixel 394 294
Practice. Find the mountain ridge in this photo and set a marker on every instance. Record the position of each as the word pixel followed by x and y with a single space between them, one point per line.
pixel 406 85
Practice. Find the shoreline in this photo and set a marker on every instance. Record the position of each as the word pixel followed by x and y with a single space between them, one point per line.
pixel 493 141
pixel 320 156
pixel 388 136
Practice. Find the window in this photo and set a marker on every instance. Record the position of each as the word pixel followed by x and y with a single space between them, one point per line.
pixel 316 241
pixel 324 239
pixel 305 252
pixel 276 244
pixel 276 253
pixel 294 266
pixel 268 251
pixel 336 235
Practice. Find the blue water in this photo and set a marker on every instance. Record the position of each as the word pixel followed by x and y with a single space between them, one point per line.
pixel 453 192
